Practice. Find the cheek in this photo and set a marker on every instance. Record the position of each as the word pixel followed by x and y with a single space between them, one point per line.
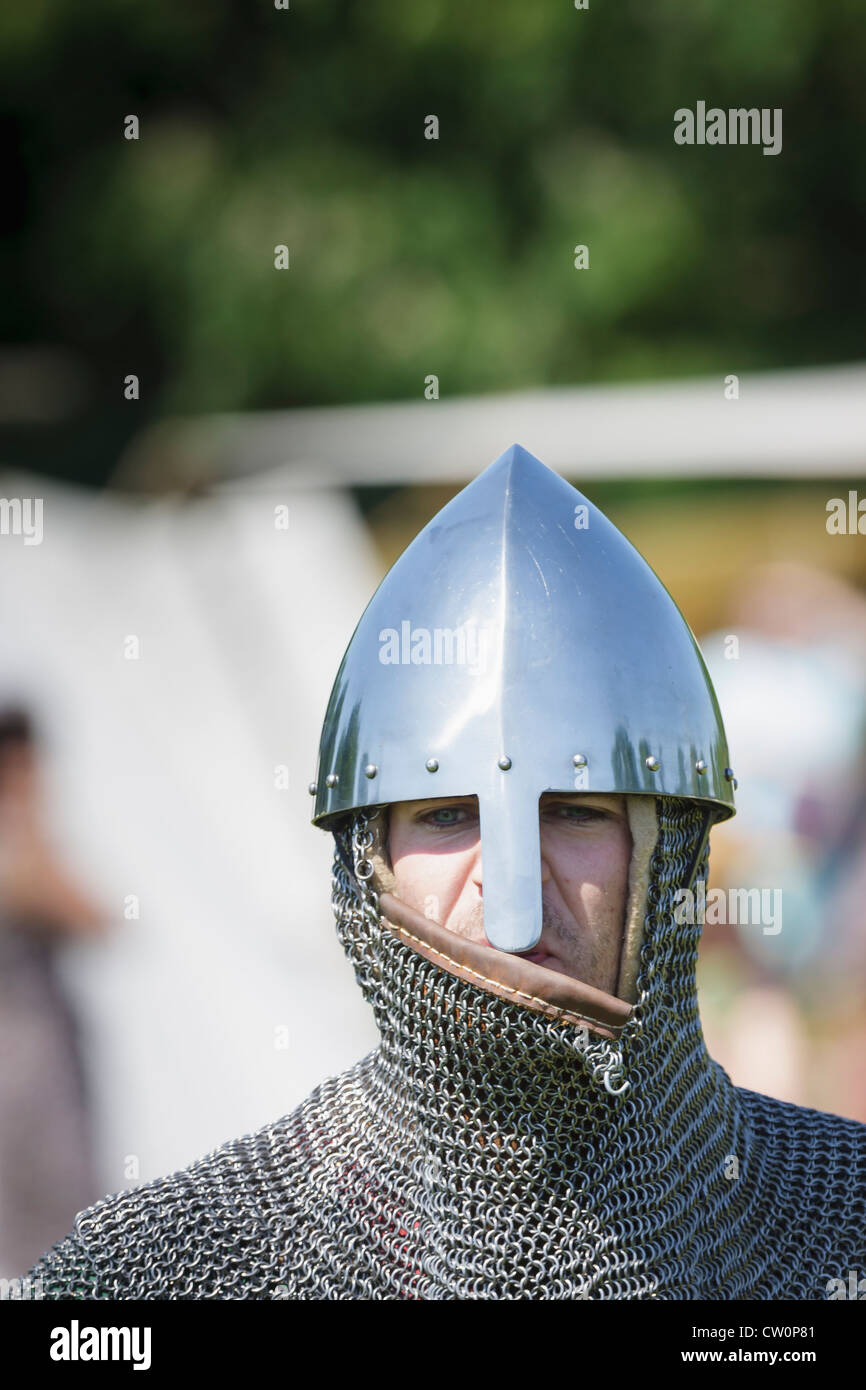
pixel 597 873
pixel 431 883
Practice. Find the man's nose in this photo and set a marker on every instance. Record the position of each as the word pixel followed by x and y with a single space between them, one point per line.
pixel 476 873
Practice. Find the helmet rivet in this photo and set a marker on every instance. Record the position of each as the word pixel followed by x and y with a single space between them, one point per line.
pixel 370 770
pixel 312 789
pixel 579 760
pixel 653 763
pixel 331 780
pixel 432 764
pixel 729 774
pixel 505 762
pixel 700 765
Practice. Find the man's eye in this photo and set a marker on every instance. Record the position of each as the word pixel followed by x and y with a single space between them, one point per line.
pixel 578 813
pixel 445 815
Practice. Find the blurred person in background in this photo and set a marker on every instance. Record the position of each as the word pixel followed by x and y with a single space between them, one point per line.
pixel 46 1168
pixel 796 639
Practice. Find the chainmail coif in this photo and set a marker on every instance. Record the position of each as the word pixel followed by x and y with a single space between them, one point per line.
pixel 486 1151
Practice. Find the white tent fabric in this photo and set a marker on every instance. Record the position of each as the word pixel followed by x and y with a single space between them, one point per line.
pixel 228 998
pixel 802 423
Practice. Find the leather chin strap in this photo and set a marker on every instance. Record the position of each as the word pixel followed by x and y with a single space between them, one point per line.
pixel 512 977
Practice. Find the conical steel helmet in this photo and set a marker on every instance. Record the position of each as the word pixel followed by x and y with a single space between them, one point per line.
pixel 520 645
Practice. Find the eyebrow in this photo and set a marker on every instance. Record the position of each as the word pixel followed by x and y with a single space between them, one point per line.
pixel 429 805
pixel 444 800
pixel 601 801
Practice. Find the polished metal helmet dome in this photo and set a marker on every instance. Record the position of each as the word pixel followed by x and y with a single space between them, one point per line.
pixel 520 645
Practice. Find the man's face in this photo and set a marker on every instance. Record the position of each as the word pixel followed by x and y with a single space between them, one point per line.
pixel 435 850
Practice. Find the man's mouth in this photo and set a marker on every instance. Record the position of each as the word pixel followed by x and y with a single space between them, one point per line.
pixel 538 955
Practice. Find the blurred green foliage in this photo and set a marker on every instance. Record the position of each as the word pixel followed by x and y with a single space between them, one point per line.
pixel 412 256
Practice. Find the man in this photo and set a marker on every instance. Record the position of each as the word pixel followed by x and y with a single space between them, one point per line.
pixel 521 761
